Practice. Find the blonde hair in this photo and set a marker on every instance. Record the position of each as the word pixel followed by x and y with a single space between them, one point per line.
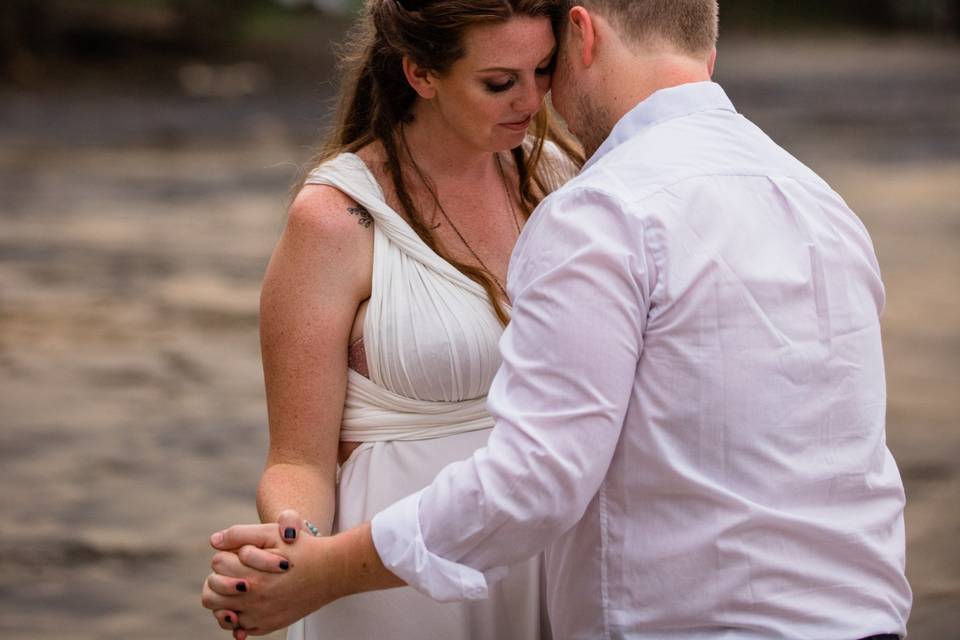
pixel 689 25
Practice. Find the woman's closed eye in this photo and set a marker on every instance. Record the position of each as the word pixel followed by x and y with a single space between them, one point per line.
pixel 499 87
pixel 547 69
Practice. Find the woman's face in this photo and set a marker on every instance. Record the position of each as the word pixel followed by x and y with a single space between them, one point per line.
pixel 490 95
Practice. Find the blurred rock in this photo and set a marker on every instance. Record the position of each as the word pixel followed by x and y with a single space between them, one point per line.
pixel 204 80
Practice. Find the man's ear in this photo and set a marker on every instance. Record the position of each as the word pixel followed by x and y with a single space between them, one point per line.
pixel 584 37
pixel 712 62
pixel 422 80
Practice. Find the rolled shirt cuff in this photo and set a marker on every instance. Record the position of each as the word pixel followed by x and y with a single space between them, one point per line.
pixel 400 544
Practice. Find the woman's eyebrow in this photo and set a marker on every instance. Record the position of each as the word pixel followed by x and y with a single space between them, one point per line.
pixel 547 59
pixel 503 69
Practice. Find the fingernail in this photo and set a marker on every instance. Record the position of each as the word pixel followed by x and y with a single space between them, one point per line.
pixel 284 565
pixel 229 619
pixel 241 586
pixel 217 538
pixel 289 533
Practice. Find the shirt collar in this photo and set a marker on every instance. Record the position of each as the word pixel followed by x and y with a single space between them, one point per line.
pixel 662 105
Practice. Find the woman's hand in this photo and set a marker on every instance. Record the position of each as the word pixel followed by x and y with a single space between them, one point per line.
pixel 265 585
pixel 289 523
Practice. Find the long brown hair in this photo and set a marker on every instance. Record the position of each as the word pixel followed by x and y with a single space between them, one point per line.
pixel 376 99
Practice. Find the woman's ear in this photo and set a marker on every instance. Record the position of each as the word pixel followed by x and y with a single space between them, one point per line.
pixel 422 80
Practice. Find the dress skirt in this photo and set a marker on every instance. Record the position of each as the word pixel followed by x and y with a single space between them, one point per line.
pixel 376 475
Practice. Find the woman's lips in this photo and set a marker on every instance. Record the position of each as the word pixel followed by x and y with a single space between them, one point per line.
pixel 518 126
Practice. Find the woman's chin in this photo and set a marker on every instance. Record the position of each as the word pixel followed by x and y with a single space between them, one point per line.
pixel 507 139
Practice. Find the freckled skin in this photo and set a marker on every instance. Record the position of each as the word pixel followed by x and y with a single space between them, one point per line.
pixel 464 101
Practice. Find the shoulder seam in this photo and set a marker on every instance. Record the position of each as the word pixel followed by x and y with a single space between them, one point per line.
pixel 655 190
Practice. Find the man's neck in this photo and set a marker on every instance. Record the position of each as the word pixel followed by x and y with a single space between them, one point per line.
pixel 645 77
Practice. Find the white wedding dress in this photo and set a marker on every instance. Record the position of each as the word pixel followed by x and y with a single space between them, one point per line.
pixel 430 337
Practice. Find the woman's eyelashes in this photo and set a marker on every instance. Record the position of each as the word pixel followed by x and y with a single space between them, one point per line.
pixel 547 69
pixel 500 87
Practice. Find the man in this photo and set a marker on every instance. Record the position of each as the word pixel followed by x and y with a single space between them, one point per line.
pixel 690 411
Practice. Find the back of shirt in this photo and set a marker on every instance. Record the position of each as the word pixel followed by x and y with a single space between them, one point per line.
pixel 690 407
pixel 751 493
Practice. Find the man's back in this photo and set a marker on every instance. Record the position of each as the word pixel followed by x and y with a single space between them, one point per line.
pixel 751 489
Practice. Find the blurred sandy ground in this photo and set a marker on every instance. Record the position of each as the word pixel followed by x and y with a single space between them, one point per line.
pixel 134 229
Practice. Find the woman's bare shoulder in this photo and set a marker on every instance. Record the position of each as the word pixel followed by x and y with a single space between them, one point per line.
pixel 328 237
pixel 325 210
pixel 374 155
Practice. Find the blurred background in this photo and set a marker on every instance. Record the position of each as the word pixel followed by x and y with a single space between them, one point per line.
pixel 147 148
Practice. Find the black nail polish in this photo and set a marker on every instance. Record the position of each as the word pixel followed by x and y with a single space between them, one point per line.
pixel 284 565
pixel 229 619
pixel 241 586
pixel 290 533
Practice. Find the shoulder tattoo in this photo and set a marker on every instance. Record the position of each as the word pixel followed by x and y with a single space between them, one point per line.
pixel 364 217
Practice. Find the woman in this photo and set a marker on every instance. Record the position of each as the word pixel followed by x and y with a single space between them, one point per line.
pixel 385 297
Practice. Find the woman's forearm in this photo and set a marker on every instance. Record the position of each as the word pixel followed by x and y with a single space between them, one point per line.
pixel 303 488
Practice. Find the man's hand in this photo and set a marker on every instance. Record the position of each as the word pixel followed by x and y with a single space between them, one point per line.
pixel 317 572
pixel 265 585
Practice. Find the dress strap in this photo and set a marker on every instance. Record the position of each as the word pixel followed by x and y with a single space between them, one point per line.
pixel 349 174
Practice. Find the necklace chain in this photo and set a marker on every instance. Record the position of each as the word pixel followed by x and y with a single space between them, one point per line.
pixel 513 216
pixel 506 192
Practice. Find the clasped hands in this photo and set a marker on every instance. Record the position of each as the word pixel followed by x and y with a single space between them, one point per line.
pixel 267 576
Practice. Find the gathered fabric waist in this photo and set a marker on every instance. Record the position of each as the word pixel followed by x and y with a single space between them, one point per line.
pixel 374 414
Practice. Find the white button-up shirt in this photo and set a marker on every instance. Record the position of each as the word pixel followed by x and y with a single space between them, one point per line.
pixel 690 410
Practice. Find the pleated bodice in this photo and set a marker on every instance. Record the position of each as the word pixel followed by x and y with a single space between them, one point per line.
pixel 430 333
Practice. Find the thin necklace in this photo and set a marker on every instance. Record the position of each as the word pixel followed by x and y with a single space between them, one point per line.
pixel 506 192
pixel 436 201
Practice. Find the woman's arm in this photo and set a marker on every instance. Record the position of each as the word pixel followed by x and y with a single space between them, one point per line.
pixel 319 275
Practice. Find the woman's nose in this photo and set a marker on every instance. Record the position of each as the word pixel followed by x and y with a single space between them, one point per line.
pixel 531 96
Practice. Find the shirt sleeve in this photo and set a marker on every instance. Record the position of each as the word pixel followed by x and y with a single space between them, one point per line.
pixel 579 281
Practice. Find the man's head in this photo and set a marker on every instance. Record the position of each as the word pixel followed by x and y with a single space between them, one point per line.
pixel 688 26
pixel 615 53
